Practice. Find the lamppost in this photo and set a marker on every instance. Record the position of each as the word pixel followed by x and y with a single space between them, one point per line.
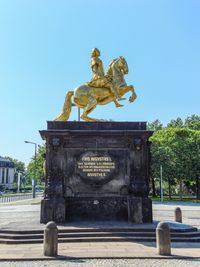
pixel 18 181
pixel 34 178
pixel 161 183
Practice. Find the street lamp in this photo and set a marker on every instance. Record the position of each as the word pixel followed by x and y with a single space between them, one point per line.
pixel 18 181
pixel 161 183
pixel 34 178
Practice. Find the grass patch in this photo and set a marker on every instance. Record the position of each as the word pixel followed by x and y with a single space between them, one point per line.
pixel 192 199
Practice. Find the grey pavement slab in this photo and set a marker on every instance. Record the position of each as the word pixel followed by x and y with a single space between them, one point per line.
pixel 190 212
pixel 106 262
pixel 97 250
pixel 25 215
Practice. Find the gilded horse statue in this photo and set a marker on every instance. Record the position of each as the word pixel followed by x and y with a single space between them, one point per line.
pixel 88 96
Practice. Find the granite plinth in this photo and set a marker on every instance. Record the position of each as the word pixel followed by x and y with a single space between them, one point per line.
pixel 97 171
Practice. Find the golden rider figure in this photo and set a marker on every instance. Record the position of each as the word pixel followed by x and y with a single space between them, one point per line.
pixel 99 79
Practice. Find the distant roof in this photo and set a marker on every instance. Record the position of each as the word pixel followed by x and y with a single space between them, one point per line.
pixel 6 163
pixel 3 159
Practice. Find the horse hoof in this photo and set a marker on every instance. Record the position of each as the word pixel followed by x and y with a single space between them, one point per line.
pixel 132 99
pixel 119 105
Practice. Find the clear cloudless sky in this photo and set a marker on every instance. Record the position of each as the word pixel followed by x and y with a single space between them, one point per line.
pixel 45 48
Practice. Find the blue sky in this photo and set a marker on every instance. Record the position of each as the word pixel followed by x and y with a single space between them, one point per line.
pixel 45 49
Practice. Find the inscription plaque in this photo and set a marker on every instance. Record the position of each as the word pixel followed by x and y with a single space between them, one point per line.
pixel 97 166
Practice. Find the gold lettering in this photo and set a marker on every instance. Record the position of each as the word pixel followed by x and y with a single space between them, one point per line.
pixel 96 166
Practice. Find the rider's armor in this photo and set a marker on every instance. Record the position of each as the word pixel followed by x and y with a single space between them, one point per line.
pixel 98 79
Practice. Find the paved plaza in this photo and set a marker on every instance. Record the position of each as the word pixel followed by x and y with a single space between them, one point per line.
pixel 106 262
pixel 24 214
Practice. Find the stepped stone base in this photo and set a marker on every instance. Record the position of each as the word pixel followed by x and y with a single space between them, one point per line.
pixel 102 232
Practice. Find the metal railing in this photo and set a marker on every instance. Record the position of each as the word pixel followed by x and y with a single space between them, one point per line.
pixel 15 197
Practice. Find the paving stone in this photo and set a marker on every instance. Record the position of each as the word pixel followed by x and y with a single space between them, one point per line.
pixel 26 216
pixel 110 263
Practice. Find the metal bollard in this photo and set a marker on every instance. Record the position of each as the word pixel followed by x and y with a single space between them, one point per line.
pixel 163 240
pixel 51 239
pixel 178 215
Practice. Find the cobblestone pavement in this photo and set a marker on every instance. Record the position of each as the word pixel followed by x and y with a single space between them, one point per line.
pixel 109 263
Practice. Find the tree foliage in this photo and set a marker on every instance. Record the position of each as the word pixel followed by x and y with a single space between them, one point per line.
pixel 19 165
pixel 178 151
pixel 176 123
pixel 39 166
pixel 155 125
pixel 193 122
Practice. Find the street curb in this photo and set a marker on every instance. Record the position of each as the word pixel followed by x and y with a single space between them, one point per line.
pixel 172 257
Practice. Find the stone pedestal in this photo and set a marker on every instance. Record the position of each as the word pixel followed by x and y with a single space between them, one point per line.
pixel 97 171
pixel 135 209
pixel 53 209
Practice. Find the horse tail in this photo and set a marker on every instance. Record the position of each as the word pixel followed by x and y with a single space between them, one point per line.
pixel 64 116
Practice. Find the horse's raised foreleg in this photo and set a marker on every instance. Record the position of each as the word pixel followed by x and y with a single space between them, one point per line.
pixel 133 96
pixel 89 108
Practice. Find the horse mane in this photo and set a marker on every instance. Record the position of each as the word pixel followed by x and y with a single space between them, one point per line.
pixel 109 71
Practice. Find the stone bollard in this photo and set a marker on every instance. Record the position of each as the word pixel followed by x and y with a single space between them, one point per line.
pixel 178 215
pixel 51 239
pixel 163 240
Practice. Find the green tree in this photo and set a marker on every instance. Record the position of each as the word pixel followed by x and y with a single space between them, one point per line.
pixel 19 165
pixel 162 154
pixel 177 123
pixel 39 166
pixel 194 167
pixel 178 151
pixel 193 122
pixel 155 125
pixel 181 145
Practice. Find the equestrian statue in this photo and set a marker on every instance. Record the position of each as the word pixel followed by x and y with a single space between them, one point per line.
pixel 101 90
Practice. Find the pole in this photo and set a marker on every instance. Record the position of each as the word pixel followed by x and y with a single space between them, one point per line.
pixel 34 179
pixel 24 183
pixel 18 181
pixel 79 111
pixel 161 183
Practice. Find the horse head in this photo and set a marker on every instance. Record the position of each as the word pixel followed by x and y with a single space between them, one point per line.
pixel 118 66
pixel 122 64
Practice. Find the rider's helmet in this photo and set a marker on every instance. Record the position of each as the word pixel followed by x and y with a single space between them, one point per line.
pixel 95 52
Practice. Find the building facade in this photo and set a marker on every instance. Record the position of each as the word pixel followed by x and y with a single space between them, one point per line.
pixel 7 172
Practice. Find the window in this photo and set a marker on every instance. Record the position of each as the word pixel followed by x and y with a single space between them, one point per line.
pixel 3 174
pixel 7 170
